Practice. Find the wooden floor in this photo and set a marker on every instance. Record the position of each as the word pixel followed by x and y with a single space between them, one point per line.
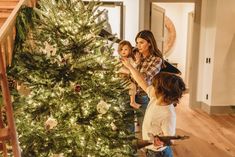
pixel 210 135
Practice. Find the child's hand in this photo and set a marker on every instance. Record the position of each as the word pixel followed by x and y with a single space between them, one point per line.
pixel 157 142
pixel 126 63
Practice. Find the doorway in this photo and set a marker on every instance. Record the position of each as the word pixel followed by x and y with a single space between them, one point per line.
pixel 192 74
pixel 173 37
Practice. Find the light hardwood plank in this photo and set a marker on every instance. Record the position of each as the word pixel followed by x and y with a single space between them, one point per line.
pixel 210 135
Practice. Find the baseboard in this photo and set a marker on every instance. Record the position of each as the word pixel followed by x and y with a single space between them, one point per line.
pixel 218 109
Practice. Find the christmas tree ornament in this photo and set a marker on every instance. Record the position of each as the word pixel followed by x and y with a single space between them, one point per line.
pixel 23 89
pixel 113 126
pixel 103 107
pixel 77 88
pixel 50 123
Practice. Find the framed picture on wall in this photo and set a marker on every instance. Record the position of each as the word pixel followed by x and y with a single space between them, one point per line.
pixel 113 13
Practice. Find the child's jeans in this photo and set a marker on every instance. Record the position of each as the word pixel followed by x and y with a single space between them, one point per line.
pixel 165 153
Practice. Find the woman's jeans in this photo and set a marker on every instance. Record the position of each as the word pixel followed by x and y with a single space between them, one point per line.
pixel 165 153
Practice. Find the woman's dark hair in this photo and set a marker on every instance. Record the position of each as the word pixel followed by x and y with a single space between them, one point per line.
pixel 148 36
pixel 170 86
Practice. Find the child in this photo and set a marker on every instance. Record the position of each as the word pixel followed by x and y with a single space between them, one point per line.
pixel 125 51
pixel 160 117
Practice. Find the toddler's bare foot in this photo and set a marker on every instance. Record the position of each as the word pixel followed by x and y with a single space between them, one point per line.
pixel 135 105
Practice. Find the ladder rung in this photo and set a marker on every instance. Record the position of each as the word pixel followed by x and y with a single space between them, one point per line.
pixel 1 146
pixel 4 134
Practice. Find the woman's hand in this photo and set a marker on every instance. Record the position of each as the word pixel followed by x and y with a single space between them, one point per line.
pixel 136 75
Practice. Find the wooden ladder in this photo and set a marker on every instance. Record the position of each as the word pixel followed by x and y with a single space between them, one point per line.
pixel 7 133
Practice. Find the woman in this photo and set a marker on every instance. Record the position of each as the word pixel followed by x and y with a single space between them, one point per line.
pixel 150 64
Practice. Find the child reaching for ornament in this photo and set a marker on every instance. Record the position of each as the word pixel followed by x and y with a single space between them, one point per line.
pixel 160 116
pixel 125 51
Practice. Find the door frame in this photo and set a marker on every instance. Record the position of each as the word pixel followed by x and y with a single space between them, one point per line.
pixel 160 28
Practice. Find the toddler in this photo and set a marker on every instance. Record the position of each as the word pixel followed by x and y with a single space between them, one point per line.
pixel 125 51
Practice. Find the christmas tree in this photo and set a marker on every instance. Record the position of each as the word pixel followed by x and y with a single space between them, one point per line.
pixel 68 100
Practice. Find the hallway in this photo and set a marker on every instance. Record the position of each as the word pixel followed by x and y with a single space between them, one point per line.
pixel 210 135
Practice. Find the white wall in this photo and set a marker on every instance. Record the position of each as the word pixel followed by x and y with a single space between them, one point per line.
pixel 224 65
pixel 218 43
pixel 178 13
pixel 207 47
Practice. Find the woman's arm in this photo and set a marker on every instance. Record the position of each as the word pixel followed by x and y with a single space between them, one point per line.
pixel 135 74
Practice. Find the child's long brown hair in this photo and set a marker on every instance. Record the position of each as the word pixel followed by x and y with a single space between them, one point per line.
pixel 170 86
